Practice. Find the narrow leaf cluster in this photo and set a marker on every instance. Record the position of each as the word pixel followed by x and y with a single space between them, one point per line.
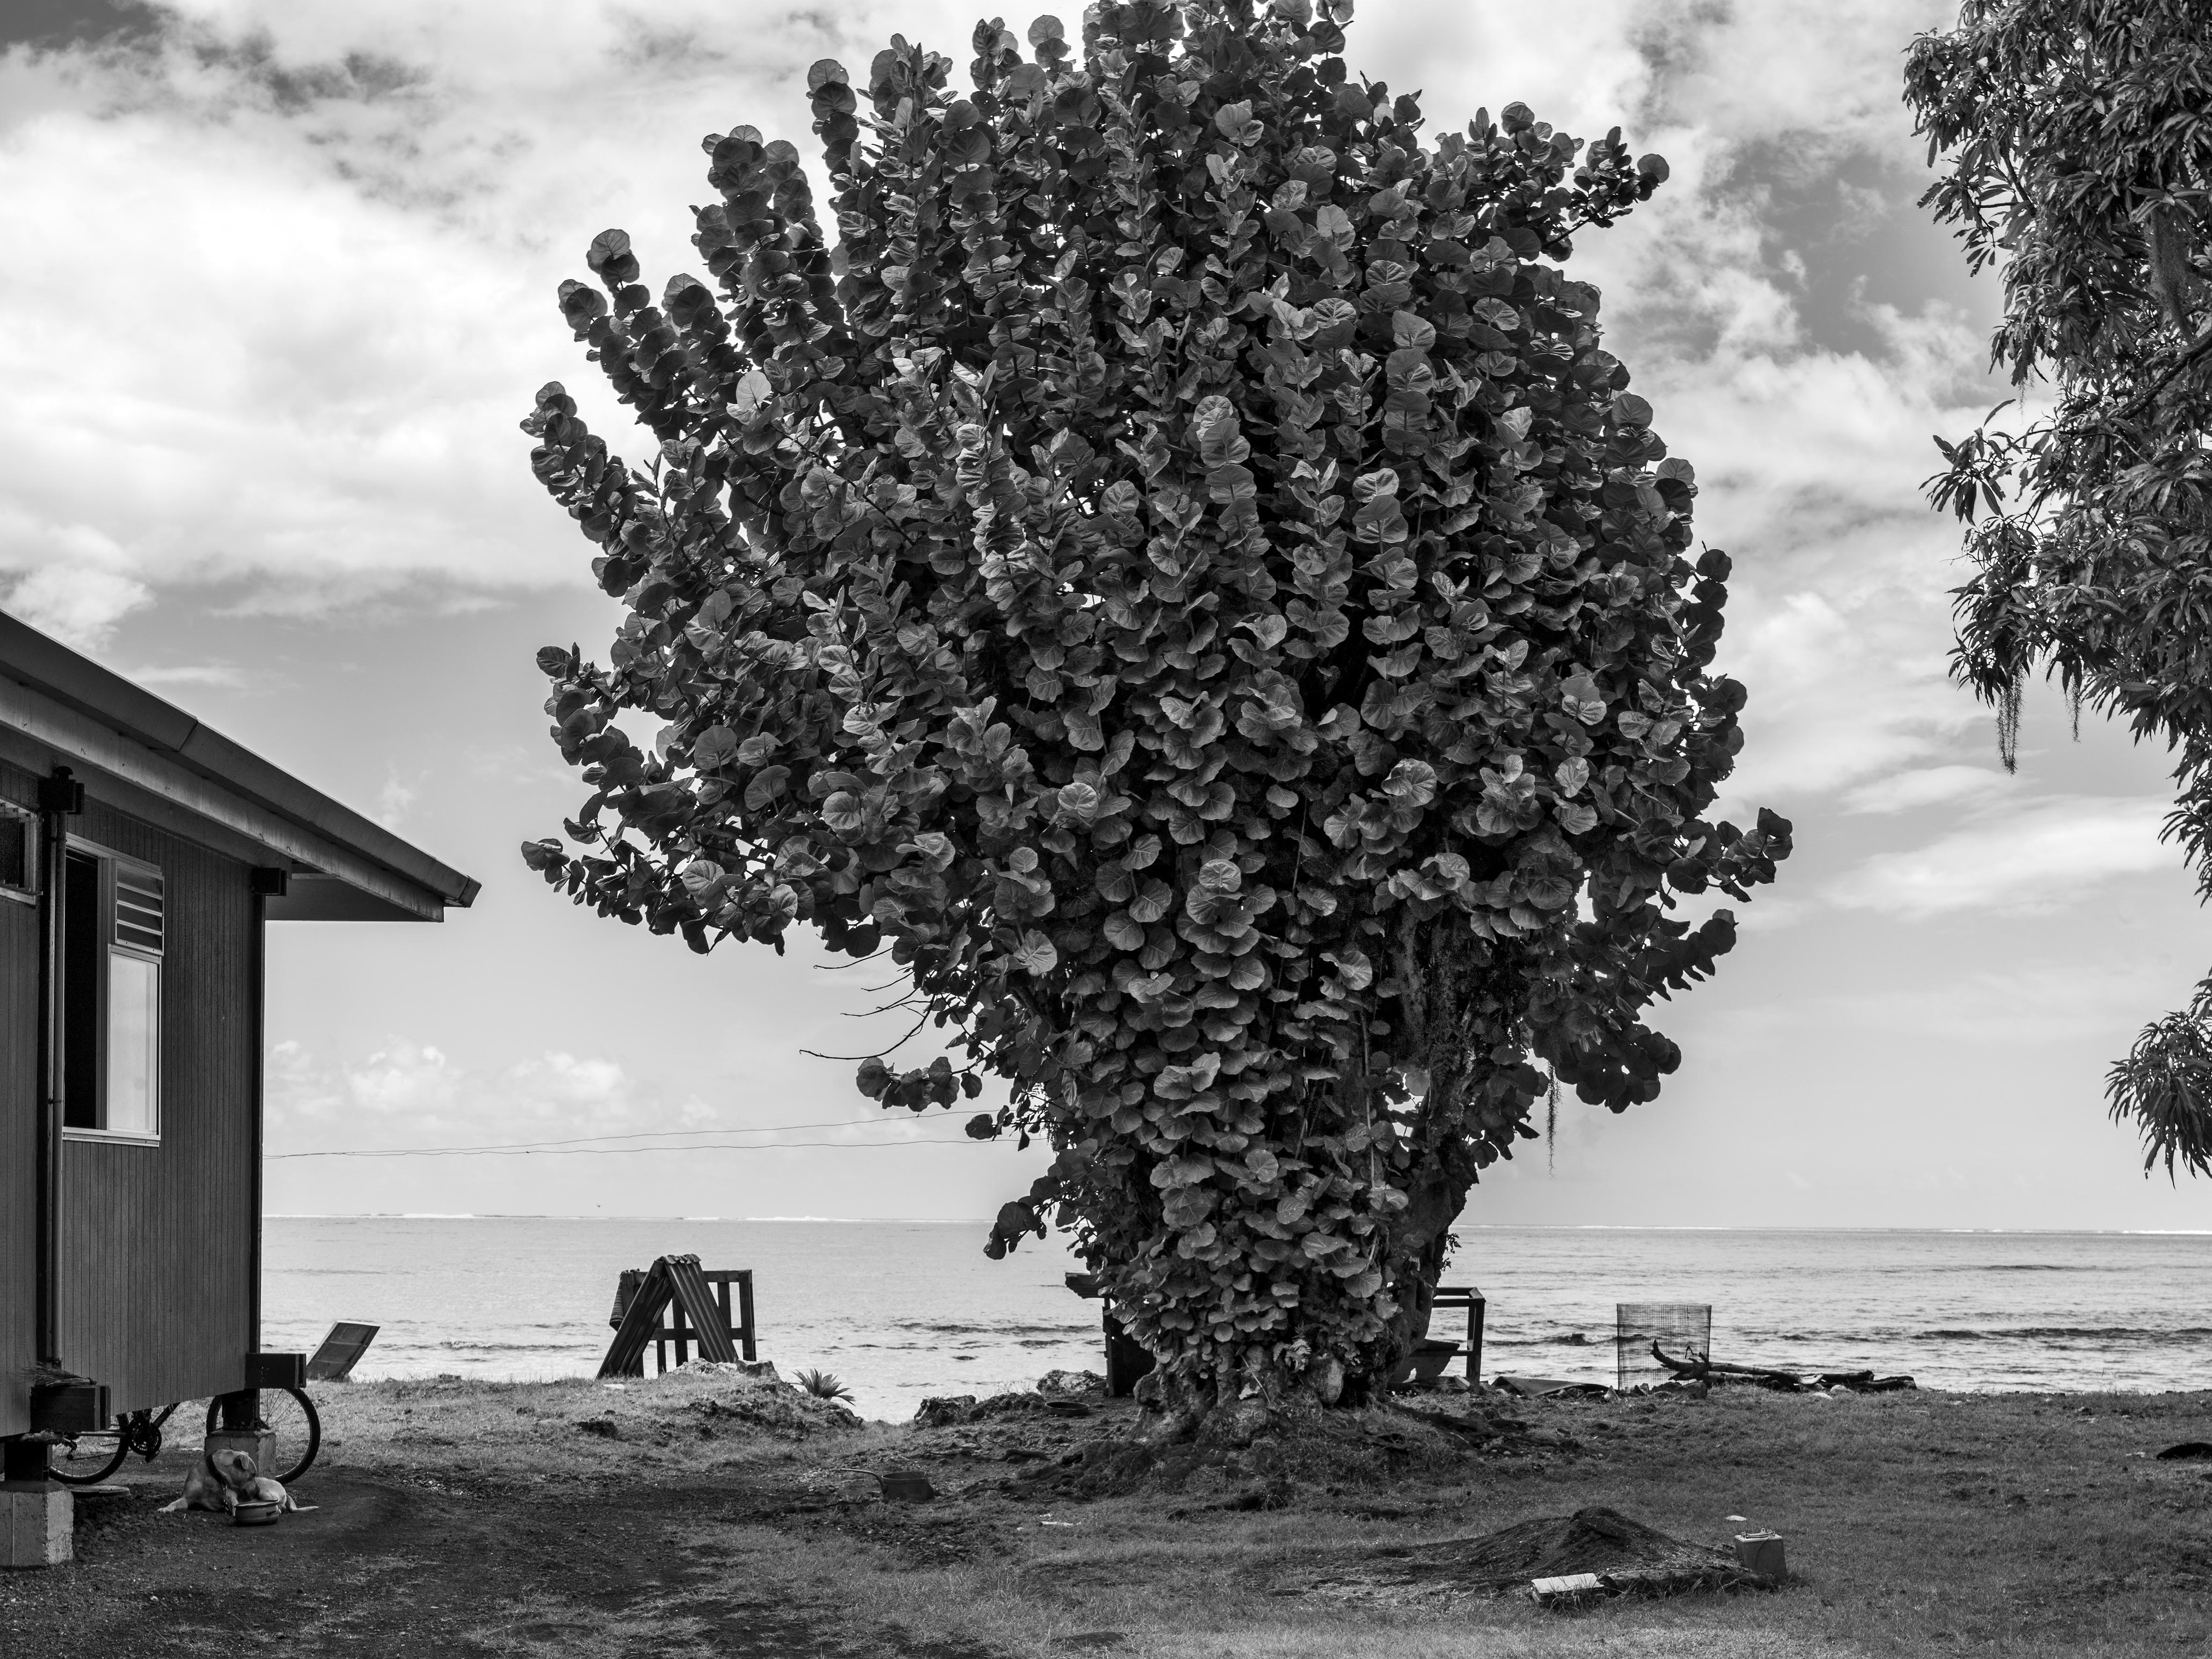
pixel 2076 139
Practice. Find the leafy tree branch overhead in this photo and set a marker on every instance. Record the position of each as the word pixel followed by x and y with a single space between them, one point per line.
pixel 1182 574
pixel 2076 143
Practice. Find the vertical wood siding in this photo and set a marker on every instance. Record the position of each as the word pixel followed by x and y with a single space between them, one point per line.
pixel 19 1131
pixel 157 1241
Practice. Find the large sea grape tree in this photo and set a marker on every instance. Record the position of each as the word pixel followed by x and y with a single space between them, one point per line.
pixel 1162 553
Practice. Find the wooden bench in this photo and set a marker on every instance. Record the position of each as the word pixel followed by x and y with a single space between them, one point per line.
pixel 1449 1298
pixel 1128 1361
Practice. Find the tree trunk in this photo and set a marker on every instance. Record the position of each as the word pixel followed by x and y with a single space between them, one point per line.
pixel 1421 1240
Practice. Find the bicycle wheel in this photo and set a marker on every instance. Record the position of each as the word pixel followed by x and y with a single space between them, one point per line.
pixel 289 1416
pixel 86 1460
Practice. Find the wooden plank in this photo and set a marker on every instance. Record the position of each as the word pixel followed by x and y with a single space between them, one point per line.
pixel 694 1300
pixel 640 1320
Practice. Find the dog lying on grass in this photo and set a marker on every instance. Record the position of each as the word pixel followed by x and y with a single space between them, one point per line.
pixel 222 1481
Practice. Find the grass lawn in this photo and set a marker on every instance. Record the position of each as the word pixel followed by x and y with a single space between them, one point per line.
pixel 674 1517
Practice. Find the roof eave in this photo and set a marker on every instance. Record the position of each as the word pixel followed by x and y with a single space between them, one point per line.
pixel 93 717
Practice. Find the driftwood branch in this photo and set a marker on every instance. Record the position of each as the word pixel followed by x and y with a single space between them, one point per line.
pixel 1699 1366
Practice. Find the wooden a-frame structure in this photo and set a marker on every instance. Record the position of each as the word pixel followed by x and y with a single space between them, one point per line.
pixel 698 1303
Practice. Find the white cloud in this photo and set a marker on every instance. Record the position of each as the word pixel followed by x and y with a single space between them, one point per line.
pixel 210 673
pixel 407 1080
pixel 2033 858
pixel 362 212
pixel 415 1094
pixel 1928 786
pixel 78 603
pixel 394 800
pixel 2101 999
pixel 558 1084
pixel 288 350
pixel 1746 72
pixel 295 1086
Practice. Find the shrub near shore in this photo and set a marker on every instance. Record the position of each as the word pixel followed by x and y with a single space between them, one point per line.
pixel 1922 1522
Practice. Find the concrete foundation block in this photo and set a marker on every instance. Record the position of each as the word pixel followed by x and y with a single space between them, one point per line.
pixel 38 1524
pixel 1761 1552
pixel 261 1447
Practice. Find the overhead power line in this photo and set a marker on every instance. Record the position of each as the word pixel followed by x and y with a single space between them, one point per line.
pixel 647 1134
pixel 592 1146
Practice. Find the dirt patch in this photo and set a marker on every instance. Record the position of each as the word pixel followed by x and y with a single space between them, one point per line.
pixel 395 1567
pixel 471 1519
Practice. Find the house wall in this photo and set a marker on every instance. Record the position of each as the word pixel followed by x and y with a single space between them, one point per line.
pixel 19 1131
pixel 157 1241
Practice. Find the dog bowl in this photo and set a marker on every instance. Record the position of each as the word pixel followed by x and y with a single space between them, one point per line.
pixel 907 1487
pixel 257 1514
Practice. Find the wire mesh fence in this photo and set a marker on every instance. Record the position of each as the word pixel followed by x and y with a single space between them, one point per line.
pixel 1681 1330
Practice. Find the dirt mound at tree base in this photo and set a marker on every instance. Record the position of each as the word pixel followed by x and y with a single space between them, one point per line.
pixel 1627 1558
pixel 1238 1459
pixel 951 1411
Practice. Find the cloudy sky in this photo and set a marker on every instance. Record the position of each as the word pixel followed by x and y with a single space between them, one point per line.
pixel 280 282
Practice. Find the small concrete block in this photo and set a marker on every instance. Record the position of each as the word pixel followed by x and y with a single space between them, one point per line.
pixel 1572 1584
pixel 38 1524
pixel 1761 1552
pixel 261 1447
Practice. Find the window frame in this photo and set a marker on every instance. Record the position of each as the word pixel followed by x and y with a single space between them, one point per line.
pixel 28 817
pixel 111 944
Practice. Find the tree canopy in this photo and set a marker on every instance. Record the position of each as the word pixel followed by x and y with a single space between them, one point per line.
pixel 2077 143
pixel 1181 575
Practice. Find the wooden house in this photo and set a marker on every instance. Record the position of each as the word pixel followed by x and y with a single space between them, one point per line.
pixel 141 856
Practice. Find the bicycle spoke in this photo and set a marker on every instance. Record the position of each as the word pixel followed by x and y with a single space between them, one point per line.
pixel 282 1419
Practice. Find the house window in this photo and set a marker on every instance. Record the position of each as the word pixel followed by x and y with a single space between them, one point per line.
pixel 114 932
pixel 19 854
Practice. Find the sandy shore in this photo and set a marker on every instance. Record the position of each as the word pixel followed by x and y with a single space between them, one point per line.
pixel 698 1515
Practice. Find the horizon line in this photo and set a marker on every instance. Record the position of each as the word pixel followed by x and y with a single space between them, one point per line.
pixel 1483 1226
pixel 554 1215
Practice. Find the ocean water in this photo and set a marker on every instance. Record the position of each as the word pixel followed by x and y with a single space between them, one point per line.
pixel 899 1310
pixel 902 1310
